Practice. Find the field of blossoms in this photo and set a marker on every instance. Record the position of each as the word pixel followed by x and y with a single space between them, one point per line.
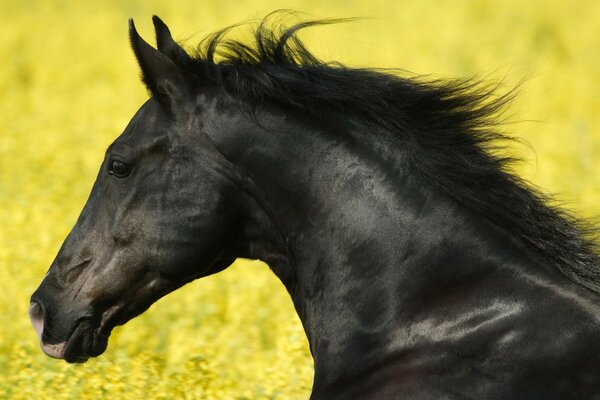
pixel 69 84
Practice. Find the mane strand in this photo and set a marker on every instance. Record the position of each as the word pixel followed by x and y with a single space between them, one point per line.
pixel 448 128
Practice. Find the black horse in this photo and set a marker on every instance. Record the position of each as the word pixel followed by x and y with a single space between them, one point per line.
pixel 420 267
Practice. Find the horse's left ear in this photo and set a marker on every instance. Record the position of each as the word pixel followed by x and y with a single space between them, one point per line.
pixel 163 78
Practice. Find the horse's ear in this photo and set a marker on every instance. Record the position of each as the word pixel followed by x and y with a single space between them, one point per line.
pixel 165 42
pixel 163 78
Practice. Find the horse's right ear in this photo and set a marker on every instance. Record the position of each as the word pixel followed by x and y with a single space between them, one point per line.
pixel 163 78
pixel 165 42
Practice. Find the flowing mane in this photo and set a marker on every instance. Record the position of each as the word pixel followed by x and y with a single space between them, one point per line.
pixel 448 129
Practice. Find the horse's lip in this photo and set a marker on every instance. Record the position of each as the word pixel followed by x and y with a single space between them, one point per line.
pixel 73 351
pixel 85 342
pixel 56 350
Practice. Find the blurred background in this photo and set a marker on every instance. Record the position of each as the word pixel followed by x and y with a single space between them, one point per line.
pixel 69 84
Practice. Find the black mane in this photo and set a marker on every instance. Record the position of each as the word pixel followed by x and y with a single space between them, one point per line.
pixel 447 127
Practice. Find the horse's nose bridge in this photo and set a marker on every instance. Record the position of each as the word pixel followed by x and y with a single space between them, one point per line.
pixel 75 253
pixel 65 254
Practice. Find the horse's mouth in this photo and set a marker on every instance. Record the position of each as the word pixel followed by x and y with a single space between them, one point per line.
pixel 86 340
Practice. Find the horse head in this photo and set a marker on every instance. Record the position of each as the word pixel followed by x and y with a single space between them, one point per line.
pixel 158 216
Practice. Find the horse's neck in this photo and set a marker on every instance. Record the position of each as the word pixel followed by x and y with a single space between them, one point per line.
pixel 375 280
pixel 378 266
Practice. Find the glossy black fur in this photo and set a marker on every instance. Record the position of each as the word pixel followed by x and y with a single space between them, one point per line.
pixel 419 267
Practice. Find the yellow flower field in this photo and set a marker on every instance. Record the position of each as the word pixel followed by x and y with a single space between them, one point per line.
pixel 69 84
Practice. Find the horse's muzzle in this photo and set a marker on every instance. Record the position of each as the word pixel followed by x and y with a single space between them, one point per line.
pixel 36 314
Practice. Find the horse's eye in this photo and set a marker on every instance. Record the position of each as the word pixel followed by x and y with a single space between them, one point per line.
pixel 118 168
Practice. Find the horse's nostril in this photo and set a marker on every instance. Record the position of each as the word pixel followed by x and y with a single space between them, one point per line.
pixel 36 314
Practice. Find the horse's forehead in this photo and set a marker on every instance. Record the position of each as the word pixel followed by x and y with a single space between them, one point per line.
pixel 145 123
